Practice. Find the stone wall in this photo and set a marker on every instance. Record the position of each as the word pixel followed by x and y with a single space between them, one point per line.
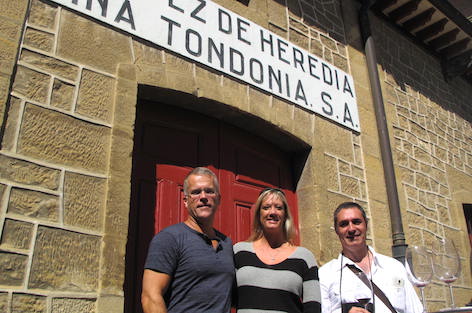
pixel 432 145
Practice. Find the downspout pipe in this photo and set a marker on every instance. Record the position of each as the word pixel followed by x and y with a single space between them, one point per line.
pixel 398 236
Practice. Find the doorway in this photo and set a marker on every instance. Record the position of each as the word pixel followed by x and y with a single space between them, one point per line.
pixel 169 142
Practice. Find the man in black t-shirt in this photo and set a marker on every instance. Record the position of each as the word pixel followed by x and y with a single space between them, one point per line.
pixel 190 267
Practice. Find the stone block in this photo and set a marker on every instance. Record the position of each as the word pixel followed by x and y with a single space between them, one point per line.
pixel 283 113
pixel 14 9
pixel 110 304
pixel 344 167
pixel 96 96
pixel 62 96
pixel 39 39
pixel 28 173
pixel 16 235
pixel 12 124
pixel 31 84
pixel 34 204
pixel 13 268
pixel 299 39
pixel 60 138
pixel 8 51
pixel 85 41
pixel 65 260
pixel 4 297
pixel 350 186
pixel 304 125
pixel 10 29
pixel 84 201
pixel 113 266
pixel 50 65
pixel 208 83
pixel 235 94
pixel 340 62
pixel 316 47
pixel 277 14
pixel 146 54
pixel 326 132
pixel 67 305
pixel 43 14
pixel 332 173
pixel 22 303
pixel 260 103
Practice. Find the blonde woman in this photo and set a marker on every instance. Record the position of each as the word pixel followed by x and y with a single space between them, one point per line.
pixel 272 274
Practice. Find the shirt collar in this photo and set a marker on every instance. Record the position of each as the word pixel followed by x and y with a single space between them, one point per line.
pixel 345 260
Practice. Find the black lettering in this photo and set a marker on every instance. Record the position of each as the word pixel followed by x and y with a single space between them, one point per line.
pixel 312 66
pixel 268 41
pixel 336 78
pixel 287 84
pixel 347 115
pixel 241 29
pixel 103 5
pixel 126 7
pixel 276 77
pixel 251 71
pixel 198 52
pixel 326 67
pixel 347 87
pixel 220 22
pixel 328 109
pixel 219 54
pixel 232 53
pixel 198 9
pixel 171 24
pixel 173 6
pixel 74 1
pixel 298 58
pixel 300 93
pixel 281 50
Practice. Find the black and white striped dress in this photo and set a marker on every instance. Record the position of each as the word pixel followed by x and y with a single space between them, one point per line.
pixel 289 286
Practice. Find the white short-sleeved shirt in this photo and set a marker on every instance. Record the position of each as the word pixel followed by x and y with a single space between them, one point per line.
pixel 387 273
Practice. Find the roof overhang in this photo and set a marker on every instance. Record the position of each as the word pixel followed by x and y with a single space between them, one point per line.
pixel 437 26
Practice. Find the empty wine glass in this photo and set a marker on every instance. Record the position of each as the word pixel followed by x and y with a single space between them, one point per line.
pixel 363 293
pixel 418 264
pixel 446 263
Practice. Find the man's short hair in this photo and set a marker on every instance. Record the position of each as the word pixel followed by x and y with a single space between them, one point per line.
pixel 204 172
pixel 348 205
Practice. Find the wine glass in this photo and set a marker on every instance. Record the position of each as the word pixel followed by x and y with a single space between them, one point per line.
pixel 363 293
pixel 446 263
pixel 419 268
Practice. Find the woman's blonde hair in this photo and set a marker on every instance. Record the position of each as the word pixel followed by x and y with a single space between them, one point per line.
pixel 257 231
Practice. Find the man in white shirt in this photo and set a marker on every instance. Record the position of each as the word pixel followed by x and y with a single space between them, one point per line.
pixel 343 290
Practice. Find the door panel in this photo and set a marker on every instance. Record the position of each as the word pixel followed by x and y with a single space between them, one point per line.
pixel 169 143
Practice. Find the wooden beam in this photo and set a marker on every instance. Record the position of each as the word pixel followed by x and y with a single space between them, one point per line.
pixel 444 39
pixel 431 30
pixel 419 20
pixel 404 10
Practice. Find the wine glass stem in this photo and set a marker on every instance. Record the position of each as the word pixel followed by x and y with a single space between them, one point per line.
pixel 422 299
pixel 453 305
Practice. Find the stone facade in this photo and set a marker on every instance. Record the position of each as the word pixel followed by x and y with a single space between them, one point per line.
pixel 68 104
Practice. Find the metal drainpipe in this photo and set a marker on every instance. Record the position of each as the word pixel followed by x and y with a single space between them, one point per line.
pixel 398 236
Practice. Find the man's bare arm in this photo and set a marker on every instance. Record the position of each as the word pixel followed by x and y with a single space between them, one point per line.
pixel 155 285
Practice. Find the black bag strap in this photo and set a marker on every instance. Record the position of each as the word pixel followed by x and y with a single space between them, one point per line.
pixel 377 291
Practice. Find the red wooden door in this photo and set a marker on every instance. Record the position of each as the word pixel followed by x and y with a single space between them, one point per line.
pixel 168 143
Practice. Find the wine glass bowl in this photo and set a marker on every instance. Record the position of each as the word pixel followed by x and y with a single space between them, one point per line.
pixel 419 268
pixel 446 263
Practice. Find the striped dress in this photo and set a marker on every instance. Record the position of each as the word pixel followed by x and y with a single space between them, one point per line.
pixel 290 286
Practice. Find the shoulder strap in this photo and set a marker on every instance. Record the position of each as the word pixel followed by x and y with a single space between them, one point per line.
pixel 377 291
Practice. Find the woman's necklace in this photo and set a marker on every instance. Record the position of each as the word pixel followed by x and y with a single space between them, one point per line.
pixel 274 252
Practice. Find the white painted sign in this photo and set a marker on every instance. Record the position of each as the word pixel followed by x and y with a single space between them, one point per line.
pixel 212 35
